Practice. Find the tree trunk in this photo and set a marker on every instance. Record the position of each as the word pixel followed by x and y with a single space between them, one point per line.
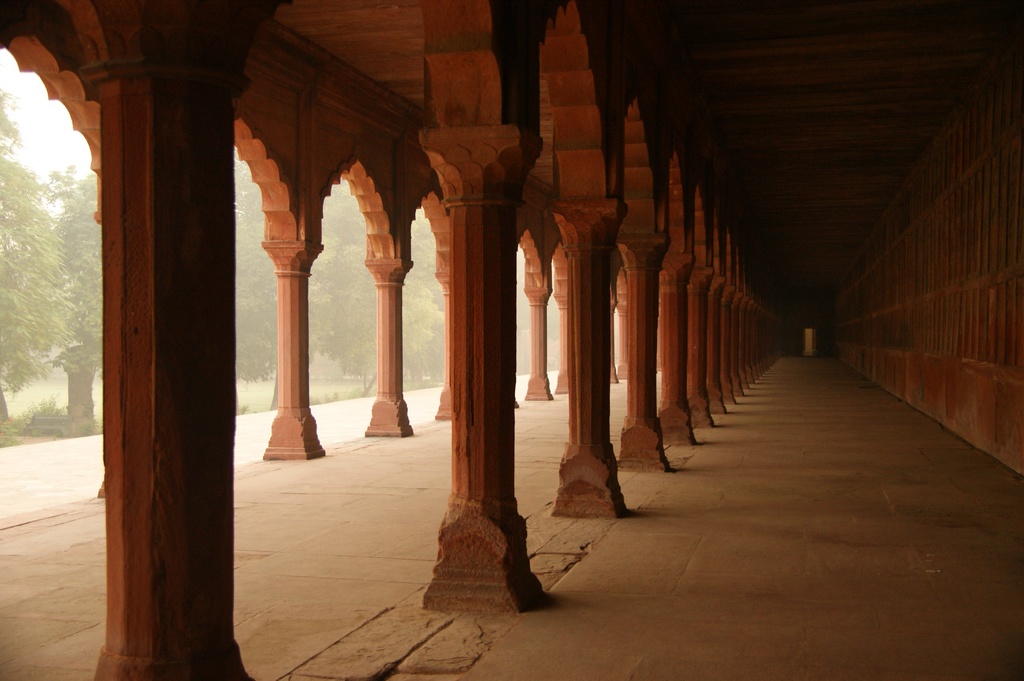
pixel 369 387
pixel 4 416
pixel 81 407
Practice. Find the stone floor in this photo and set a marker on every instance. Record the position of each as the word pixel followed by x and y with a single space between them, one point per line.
pixel 824 531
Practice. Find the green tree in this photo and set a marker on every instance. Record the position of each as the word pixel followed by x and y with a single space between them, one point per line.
pixel 255 285
pixel 74 202
pixel 343 298
pixel 422 314
pixel 33 306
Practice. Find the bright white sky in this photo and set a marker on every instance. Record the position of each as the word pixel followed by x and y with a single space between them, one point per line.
pixel 48 141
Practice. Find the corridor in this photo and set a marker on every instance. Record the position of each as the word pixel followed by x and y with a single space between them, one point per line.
pixel 824 531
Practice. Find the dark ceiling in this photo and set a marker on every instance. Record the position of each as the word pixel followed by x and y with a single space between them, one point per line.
pixel 823 106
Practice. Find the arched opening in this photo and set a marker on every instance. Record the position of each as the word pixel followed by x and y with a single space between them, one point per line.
pixel 51 311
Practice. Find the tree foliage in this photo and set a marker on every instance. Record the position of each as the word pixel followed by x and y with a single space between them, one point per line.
pixel 255 285
pixel 73 202
pixel 33 304
pixel 343 298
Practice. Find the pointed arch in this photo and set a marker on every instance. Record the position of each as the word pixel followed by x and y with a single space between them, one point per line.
pixel 64 86
pixel 638 178
pixel 266 173
pixel 380 241
pixel 577 129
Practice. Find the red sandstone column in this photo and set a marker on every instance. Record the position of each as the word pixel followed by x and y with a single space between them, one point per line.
pixel 561 273
pixel 674 411
pixel 440 225
pixel 482 564
pixel 169 373
pixel 734 347
pixel 714 339
pixel 612 373
pixel 622 309
pixel 725 352
pixel 744 346
pixel 696 378
pixel 390 415
pixel 293 435
pixel 641 445
pixel 588 475
pixel 539 388
pixel 444 407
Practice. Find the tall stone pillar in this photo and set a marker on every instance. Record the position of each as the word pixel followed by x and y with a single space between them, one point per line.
pixel 697 371
pixel 390 415
pixel 539 388
pixel 441 227
pixel 169 372
pixel 641 446
pixel 588 474
pixel 674 411
pixel 725 351
pixel 560 268
pixel 613 375
pixel 714 339
pixel 293 434
pixel 622 310
pixel 482 564
pixel 744 343
pixel 444 407
pixel 734 347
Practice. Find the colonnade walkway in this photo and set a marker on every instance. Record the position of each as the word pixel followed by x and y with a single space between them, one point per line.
pixel 824 531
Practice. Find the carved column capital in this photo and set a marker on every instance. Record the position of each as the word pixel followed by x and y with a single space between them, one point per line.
pixel 537 295
pixel 292 257
pixel 387 271
pixel 716 286
pixel 676 268
pixel 642 251
pixel 588 223
pixel 728 294
pixel 478 162
pixel 700 278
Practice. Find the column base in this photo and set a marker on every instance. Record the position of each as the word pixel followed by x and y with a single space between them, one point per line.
pixel 700 412
pixel 482 565
pixel 226 665
pixel 389 419
pixel 676 428
pixel 642 448
pixel 293 438
pixel 444 408
pixel 727 395
pixel 562 384
pixel 716 403
pixel 621 374
pixel 539 389
pixel 589 483
pixel 737 387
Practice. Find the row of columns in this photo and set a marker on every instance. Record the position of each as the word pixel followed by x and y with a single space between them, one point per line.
pixel 169 398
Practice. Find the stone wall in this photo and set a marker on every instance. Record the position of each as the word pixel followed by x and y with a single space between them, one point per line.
pixel 933 310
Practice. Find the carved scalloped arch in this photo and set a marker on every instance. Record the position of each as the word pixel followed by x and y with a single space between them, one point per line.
pixel 680 241
pixel 266 173
pixel 700 228
pixel 63 86
pixel 579 166
pixel 638 178
pixel 380 242
pixel 536 274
